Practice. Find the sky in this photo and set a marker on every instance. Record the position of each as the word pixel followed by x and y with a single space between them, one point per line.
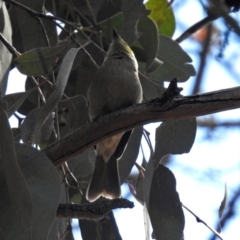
pixel 201 175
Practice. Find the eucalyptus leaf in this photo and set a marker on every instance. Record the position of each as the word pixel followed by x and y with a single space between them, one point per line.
pixel 15 100
pixel 3 105
pixel 82 165
pixel 148 31
pixel 44 184
pixel 16 134
pixel 72 114
pixel 55 97
pixel 223 203
pixel 53 233
pixel 165 210
pixel 151 89
pixel 110 23
pixel 162 15
pixel 29 33
pixel 176 62
pixel 133 11
pixel 16 205
pixel 29 124
pixel 100 230
pixel 39 61
pixel 107 9
pixel 27 106
pixel 130 155
pixel 174 137
pixel 147 181
pixel 80 6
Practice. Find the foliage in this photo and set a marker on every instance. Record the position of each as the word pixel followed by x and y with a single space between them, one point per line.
pixel 59 64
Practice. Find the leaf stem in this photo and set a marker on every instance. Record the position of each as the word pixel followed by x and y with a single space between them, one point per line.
pixel 203 222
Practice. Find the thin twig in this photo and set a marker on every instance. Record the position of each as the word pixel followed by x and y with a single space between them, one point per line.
pixel 170 3
pixel 16 53
pixel 39 89
pixel 10 48
pixel 79 44
pixel 139 167
pixel 72 176
pixel 69 34
pixel 231 210
pixel 194 28
pixel 146 136
pixel 81 16
pixel 64 234
pixel 44 31
pixel 41 15
pixel 150 80
pixel 216 11
pixel 91 12
pixel 201 221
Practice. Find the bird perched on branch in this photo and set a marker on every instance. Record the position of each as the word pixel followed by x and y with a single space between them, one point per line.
pixel 115 86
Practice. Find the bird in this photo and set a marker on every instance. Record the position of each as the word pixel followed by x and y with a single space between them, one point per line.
pixel 115 86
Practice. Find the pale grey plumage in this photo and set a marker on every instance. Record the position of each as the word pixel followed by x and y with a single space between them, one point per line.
pixel 115 86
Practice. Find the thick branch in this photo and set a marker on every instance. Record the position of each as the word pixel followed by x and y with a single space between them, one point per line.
pixel 96 211
pixel 153 111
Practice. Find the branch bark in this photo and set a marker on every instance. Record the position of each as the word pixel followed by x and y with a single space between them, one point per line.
pixel 95 211
pixel 161 109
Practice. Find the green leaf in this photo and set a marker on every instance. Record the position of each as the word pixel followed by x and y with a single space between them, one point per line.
pixel 15 199
pixel 29 34
pixel 62 79
pixel 162 15
pixel 107 25
pixel 3 104
pixel 107 9
pixel 72 114
pixel 133 11
pixel 174 137
pixel 130 155
pixel 28 126
pixel 82 165
pixel 165 208
pixel 15 100
pixel 147 181
pixel 45 187
pixel 223 203
pixel 176 62
pixel 100 230
pixel 39 61
pixel 151 89
pixel 148 31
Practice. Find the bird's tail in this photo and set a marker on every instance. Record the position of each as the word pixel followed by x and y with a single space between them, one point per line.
pixel 105 180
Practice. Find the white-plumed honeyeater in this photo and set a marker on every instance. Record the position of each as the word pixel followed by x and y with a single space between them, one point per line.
pixel 115 86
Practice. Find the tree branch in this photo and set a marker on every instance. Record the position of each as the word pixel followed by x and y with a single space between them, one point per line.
pixel 156 110
pixel 10 48
pixel 96 211
pixel 216 11
pixel 210 123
